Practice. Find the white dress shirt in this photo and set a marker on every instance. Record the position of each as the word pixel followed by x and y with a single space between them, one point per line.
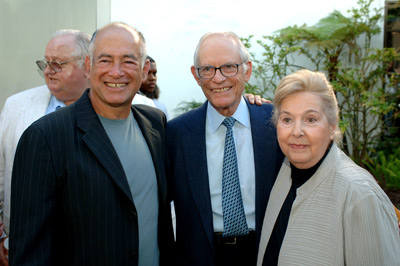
pixel 140 98
pixel 215 143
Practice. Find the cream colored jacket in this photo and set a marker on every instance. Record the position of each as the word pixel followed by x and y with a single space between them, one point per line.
pixel 19 111
pixel 340 217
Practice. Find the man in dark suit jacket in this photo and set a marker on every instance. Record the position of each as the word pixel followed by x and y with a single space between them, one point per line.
pixel 196 149
pixel 89 184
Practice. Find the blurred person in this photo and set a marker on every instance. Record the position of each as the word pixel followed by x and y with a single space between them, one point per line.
pixel 323 209
pixel 149 84
pixel 149 87
pixel 145 93
pixel 64 72
pixel 209 183
pixel 89 185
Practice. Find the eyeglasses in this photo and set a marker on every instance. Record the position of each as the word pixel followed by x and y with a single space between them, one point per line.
pixel 56 66
pixel 227 70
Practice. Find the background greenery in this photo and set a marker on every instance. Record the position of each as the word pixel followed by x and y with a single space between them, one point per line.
pixel 363 77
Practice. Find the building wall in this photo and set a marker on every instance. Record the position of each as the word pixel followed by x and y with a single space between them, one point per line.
pixel 25 28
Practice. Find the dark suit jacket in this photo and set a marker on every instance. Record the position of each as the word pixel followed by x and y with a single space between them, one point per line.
pixel 71 203
pixel 189 178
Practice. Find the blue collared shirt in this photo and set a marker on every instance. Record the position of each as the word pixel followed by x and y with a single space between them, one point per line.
pixel 215 143
pixel 54 104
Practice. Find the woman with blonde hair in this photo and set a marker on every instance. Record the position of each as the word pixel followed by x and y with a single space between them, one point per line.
pixel 323 209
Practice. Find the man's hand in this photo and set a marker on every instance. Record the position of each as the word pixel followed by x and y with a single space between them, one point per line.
pixel 256 99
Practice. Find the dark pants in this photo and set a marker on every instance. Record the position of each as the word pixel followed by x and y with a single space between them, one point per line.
pixel 235 251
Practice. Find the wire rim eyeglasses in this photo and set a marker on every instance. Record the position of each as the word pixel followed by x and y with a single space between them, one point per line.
pixel 56 66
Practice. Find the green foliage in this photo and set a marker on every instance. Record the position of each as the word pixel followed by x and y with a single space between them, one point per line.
pixel 385 167
pixel 185 106
pixel 341 47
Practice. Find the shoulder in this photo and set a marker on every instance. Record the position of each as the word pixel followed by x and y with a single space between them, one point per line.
pixel 264 110
pixel 358 181
pixel 27 95
pixel 60 120
pixel 140 99
pixel 153 114
pixel 192 118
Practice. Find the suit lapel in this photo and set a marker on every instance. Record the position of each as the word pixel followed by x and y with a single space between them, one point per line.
pixel 277 198
pixel 153 138
pixel 195 152
pixel 99 143
pixel 265 150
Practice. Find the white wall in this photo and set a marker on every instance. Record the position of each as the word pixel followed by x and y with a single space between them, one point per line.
pixel 25 28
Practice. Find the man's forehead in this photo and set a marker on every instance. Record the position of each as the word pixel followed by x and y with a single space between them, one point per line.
pixel 62 45
pixel 218 47
pixel 113 30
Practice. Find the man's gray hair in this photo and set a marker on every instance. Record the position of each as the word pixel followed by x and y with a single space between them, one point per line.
pixel 82 40
pixel 244 54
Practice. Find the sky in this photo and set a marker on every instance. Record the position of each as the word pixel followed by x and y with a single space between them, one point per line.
pixel 172 30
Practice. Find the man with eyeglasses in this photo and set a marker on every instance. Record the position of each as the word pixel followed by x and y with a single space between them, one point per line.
pixel 224 159
pixel 64 72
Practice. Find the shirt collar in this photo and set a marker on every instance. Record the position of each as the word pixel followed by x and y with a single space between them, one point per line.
pixel 241 115
pixel 54 102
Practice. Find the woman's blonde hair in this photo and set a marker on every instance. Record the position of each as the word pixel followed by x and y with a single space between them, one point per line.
pixel 308 81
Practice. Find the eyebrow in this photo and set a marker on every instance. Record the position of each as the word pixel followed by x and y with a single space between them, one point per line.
pixel 306 112
pixel 124 56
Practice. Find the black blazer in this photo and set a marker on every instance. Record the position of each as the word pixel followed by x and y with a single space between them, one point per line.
pixel 71 203
pixel 186 142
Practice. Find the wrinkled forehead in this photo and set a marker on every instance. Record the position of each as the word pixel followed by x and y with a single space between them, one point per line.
pixel 117 41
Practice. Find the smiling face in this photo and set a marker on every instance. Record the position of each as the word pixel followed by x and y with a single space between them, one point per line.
pixel 304 132
pixel 69 84
pixel 223 93
pixel 116 72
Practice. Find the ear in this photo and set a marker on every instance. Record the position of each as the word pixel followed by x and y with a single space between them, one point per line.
pixel 194 73
pixel 87 67
pixel 146 68
pixel 333 131
pixel 248 71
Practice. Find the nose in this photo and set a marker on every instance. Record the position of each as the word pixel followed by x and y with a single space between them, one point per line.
pixel 218 77
pixel 116 71
pixel 48 70
pixel 298 129
pixel 152 77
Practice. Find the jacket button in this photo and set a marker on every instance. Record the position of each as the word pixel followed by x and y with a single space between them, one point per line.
pixel 133 214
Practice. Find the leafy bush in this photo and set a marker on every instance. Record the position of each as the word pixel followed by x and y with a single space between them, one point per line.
pixel 185 106
pixel 341 47
pixel 385 167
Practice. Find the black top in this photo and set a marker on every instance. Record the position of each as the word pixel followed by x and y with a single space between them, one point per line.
pixel 299 177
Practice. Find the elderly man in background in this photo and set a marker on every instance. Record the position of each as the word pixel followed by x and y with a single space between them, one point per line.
pixel 64 71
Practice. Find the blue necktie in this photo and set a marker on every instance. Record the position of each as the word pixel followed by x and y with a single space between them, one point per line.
pixel 232 204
